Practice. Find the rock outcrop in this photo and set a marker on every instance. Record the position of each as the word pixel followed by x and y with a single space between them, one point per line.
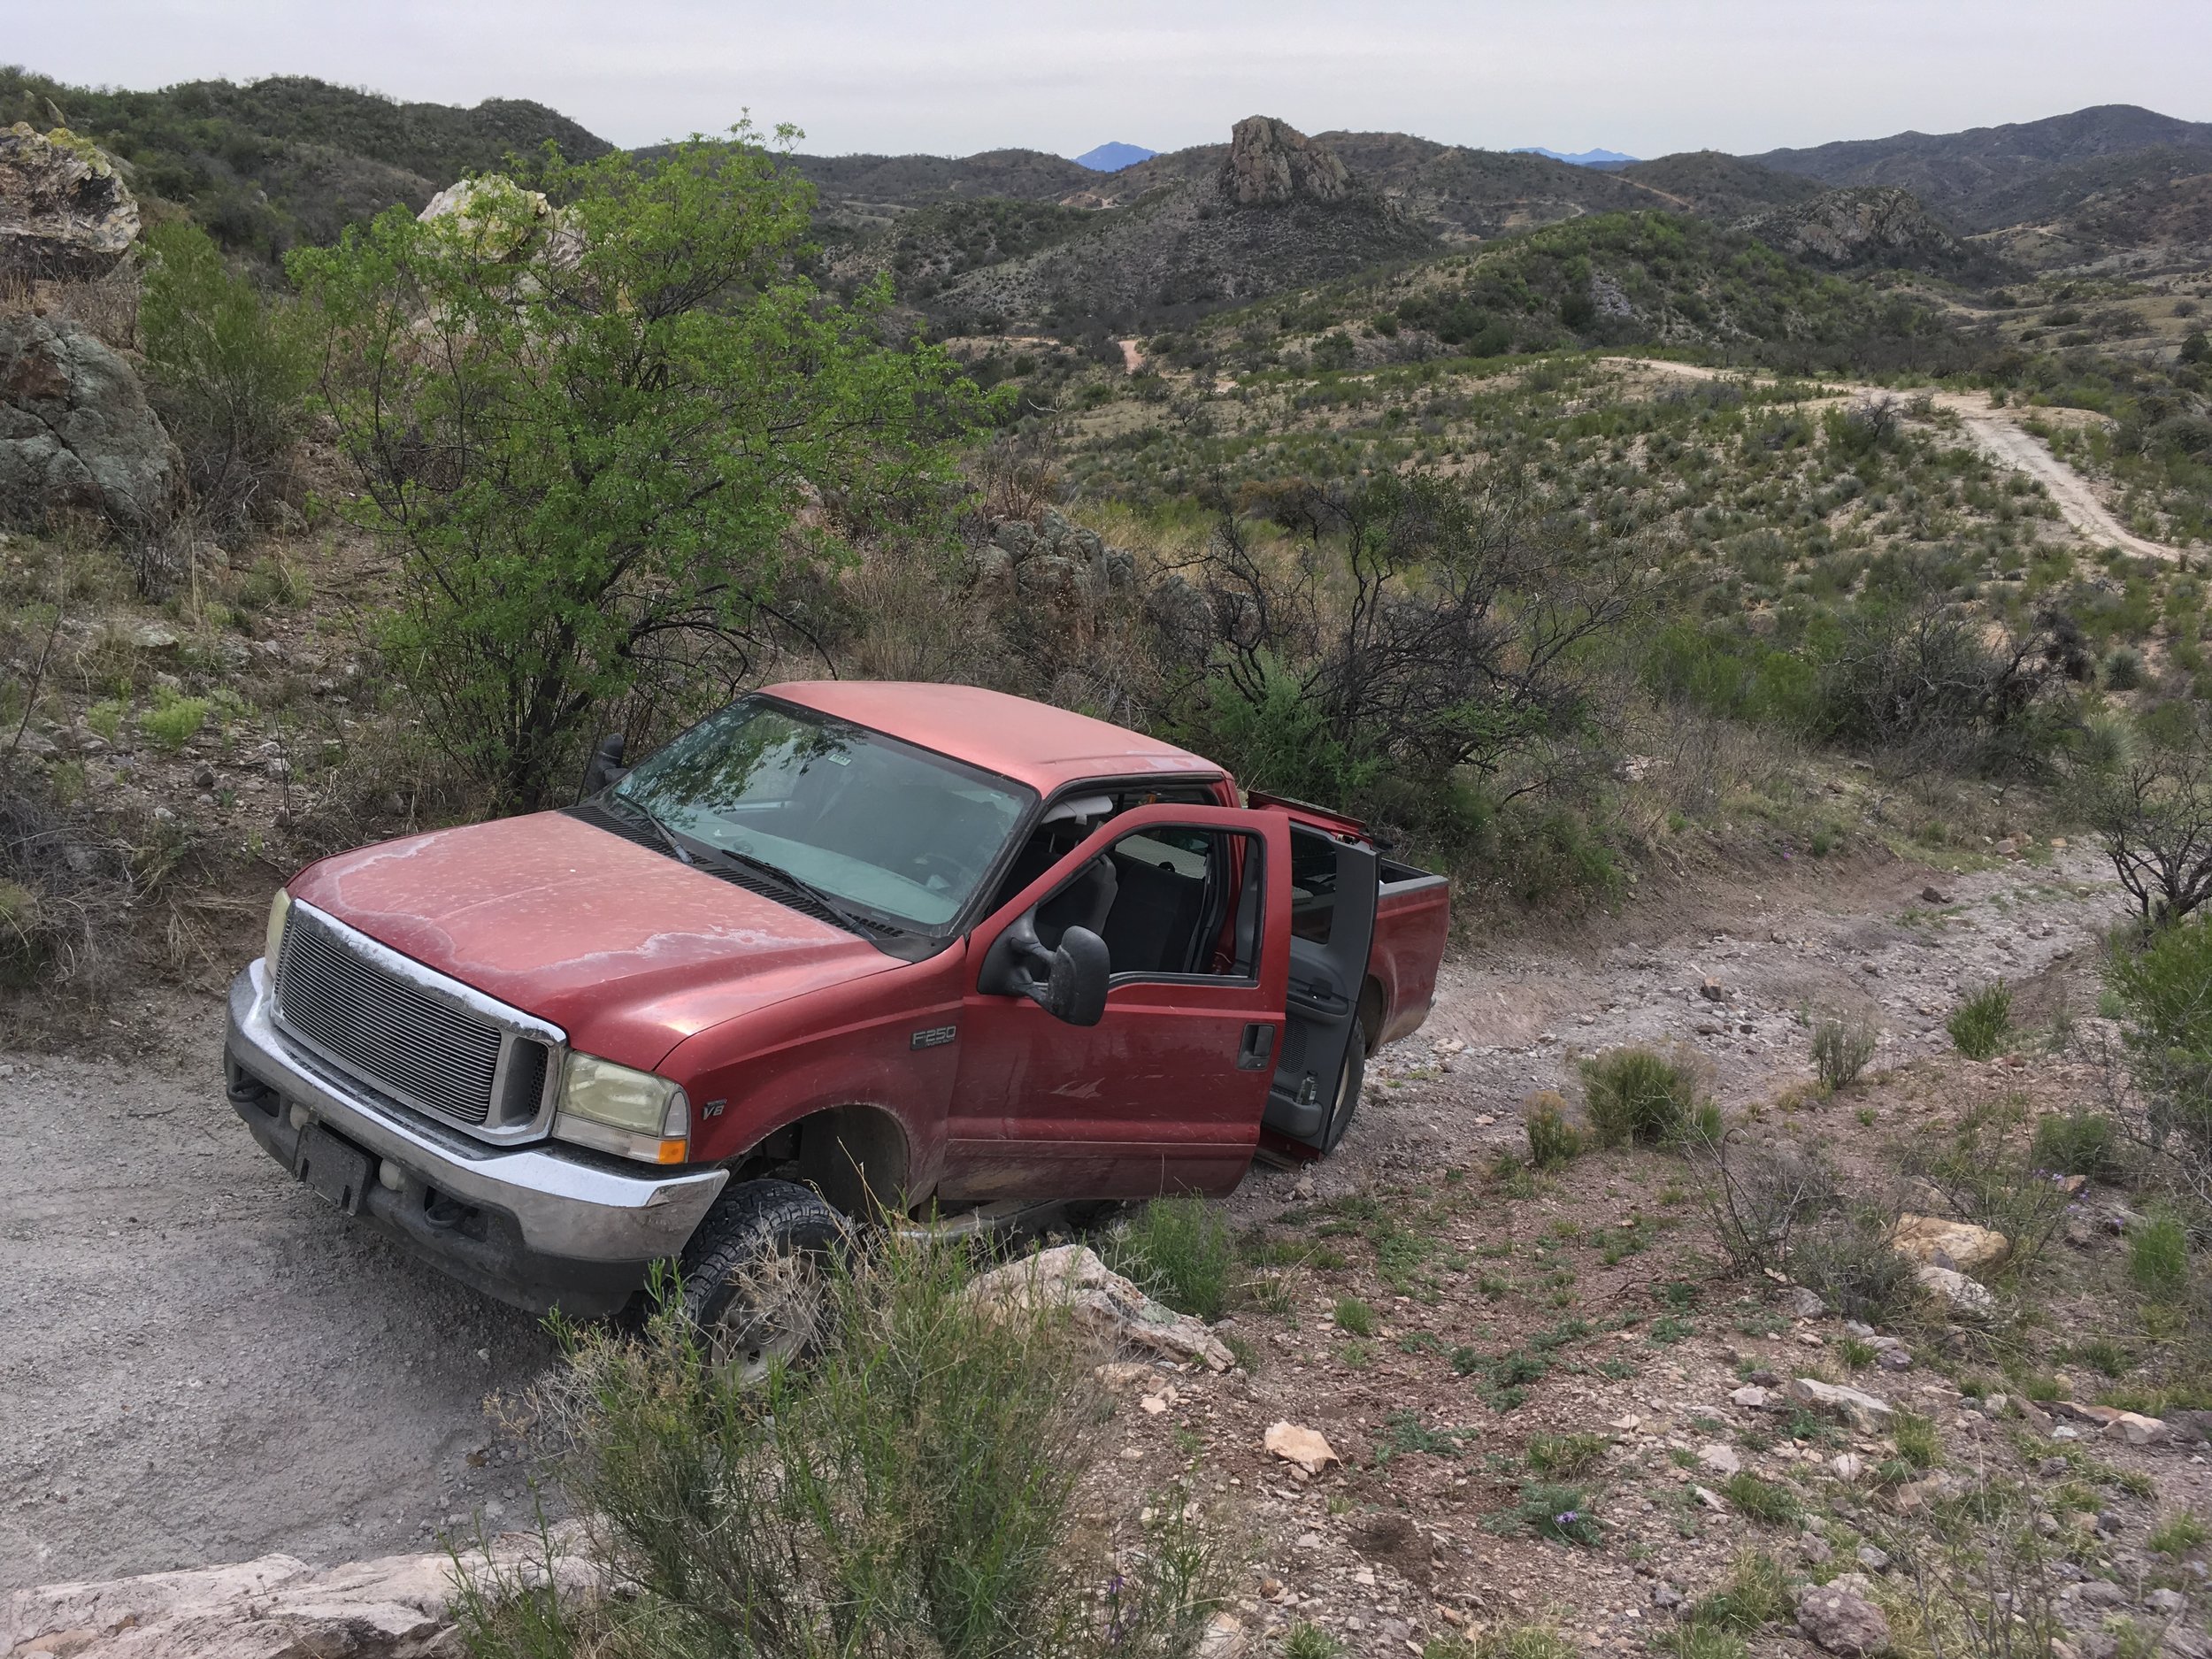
pixel 75 431
pixel 503 221
pixel 1960 1246
pixel 1270 162
pixel 279 1607
pixel 65 214
pixel 1071 1276
pixel 1857 226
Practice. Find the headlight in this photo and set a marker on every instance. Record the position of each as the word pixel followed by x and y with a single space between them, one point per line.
pixel 279 907
pixel 615 1108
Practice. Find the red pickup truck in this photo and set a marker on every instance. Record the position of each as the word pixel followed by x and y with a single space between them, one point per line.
pixel 839 946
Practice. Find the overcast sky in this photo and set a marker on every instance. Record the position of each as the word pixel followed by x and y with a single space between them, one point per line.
pixel 1644 76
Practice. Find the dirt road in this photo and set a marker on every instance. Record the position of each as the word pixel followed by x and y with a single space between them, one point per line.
pixel 200 1362
pixel 1991 430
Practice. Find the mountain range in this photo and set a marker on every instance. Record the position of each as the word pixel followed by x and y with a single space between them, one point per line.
pixel 1123 238
pixel 1580 158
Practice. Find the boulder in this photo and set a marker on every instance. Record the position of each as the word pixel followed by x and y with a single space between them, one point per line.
pixel 1720 1458
pixel 2133 1429
pixel 1272 162
pixel 1842 1622
pixel 1958 1245
pixel 495 217
pixel 65 214
pixel 278 1606
pixel 75 432
pixel 1857 225
pixel 1293 1443
pixel 1101 1300
pixel 1865 1412
pixel 1961 1297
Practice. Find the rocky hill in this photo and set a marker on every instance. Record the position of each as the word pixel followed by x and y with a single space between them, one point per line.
pixel 1857 228
pixel 1713 185
pixel 268 163
pixel 1990 176
pixel 1273 210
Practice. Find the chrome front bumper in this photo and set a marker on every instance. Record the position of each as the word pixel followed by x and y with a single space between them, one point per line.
pixel 532 1225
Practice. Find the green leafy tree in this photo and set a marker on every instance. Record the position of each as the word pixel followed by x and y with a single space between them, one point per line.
pixel 602 423
pixel 230 372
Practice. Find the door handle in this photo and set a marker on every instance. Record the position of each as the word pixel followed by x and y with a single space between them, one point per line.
pixel 1259 1043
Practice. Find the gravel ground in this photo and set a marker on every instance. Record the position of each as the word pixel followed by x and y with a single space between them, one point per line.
pixel 200 1362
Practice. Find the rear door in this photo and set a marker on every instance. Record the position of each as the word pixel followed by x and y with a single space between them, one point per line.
pixel 1165 1093
pixel 1334 880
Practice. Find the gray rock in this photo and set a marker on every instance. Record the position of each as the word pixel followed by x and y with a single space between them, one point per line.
pixel 75 433
pixel 1804 1304
pixel 2096 1592
pixel 1272 162
pixel 65 214
pixel 1865 1412
pixel 1872 1559
pixel 1842 1622
pixel 2169 1602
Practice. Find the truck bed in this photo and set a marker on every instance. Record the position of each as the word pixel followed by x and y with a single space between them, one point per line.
pixel 1413 916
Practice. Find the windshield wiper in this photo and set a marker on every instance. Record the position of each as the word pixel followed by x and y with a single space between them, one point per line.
pixel 676 848
pixel 797 884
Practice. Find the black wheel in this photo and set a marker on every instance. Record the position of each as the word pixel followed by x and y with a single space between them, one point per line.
pixel 1349 1081
pixel 753 1274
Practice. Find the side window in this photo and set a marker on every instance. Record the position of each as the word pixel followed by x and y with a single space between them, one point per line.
pixel 1312 884
pixel 1167 901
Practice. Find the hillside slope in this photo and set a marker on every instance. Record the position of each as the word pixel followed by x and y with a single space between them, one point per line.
pixel 1990 176
pixel 269 163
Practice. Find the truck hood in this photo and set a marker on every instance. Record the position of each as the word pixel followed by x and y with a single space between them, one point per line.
pixel 627 950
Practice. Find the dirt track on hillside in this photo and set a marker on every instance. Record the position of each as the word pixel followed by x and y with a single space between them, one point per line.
pixel 200 1362
pixel 1991 430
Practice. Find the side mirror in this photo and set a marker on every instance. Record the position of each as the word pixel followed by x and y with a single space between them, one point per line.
pixel 1069 983
pixel 605 767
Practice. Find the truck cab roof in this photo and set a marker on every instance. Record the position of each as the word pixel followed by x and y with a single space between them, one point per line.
pixel 1029 742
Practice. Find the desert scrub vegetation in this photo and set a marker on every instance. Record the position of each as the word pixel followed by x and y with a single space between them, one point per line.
pixel 631 417
pixel 1552 1140
pixel 1980 1025
pixel 1841 1046
pixel 1182 1251
pixel 914 1480
pixel 1638 1095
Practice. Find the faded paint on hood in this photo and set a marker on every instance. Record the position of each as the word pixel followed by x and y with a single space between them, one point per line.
pixel 628 951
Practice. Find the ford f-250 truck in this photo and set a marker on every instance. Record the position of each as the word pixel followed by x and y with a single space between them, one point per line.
pixel 840 946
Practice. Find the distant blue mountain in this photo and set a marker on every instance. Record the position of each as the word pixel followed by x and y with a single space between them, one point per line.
pixel 1601 158
pixel 1113 158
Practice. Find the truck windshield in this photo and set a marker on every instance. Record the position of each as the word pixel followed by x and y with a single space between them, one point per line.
pixel 884 827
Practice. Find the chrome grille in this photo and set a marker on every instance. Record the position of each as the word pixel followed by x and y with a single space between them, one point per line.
pixel 387 1028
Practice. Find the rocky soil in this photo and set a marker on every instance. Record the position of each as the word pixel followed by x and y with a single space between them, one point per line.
pixel 208 1366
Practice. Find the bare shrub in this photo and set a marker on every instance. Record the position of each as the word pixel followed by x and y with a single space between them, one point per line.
pixel 1758 1195
pixel 2152 814
pixel 1842 1045
pixel 1988 1173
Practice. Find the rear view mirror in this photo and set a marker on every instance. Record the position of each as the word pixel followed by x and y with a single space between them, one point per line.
pixel 1069 983
pixel 606 766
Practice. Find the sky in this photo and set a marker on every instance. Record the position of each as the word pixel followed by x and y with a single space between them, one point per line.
pixel 891 75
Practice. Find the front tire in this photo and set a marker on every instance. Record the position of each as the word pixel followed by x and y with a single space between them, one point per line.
pixel 754 1275
pixel 1350 1079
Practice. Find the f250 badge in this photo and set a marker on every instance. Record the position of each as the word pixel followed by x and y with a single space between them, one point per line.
pixel 935 1037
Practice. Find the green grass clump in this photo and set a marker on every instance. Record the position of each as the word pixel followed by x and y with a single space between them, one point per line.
pixel 1841 1048
pixel 1636 1094
pixel 1980 1025
pixel 1552 1140
pixel 1755 1593
pixel 1917 1440
pixel 2158 1258
pixel 1303 1640
pixel 1554 1511
pixel 1766 1502
pixel 1355 1316
pixel 1559 1457
pixel 2178 1536
pixel 173 720
pixel 2076 1143
pixel 1182 1251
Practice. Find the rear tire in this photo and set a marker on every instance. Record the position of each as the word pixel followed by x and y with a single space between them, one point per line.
pixel 1349 1081
pixel 754 1280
